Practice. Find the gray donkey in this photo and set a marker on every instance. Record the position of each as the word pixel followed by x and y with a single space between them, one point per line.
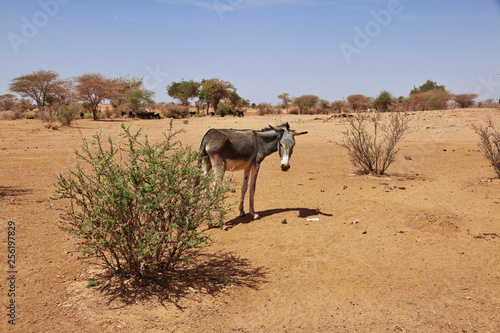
pixel 232 150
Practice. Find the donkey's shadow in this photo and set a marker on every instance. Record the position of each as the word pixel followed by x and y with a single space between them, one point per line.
pixel 303 213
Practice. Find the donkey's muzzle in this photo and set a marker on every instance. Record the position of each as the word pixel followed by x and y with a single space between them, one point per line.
pixel 285 167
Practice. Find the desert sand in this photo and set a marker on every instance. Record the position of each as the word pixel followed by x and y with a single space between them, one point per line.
pixel 416 250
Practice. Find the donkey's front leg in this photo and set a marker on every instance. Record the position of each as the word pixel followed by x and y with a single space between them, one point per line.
pixel 253 181
pixel 244 190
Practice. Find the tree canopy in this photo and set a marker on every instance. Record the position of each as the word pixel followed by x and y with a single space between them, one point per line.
pixel 184 90
pixel 285 100
pixel 427 86
pixel 383 101
pixel 305 102
pixel 358 101
pixel 43 86
pixel 93 89
pixel 214 90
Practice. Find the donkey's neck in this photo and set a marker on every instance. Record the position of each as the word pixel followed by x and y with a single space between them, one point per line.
pixel 270 141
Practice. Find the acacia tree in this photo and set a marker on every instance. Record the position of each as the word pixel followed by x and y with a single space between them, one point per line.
pixel 383 101
pixel 184 91
pixel 305 102
pixel 285 100
pixel 124 86
pixel 357 102
pixel 235 99
pixel 140 97
pixel 94 88
pixel 325 106
pixel 465 100
pixel 7 102
pixel 339 106
pixel 427 86
pixel 43 86
pixel 214 90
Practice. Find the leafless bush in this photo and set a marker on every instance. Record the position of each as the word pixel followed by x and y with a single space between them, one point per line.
pixel 371 142
pixel 46 115
pixel 489 142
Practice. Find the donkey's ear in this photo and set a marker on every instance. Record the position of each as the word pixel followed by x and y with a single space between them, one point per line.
pixel 279 130
pixel 299 133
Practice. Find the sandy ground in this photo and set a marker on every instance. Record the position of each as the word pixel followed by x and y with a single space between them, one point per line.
pixel 417 250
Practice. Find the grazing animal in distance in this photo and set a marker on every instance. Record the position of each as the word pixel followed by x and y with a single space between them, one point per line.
pixel 232 150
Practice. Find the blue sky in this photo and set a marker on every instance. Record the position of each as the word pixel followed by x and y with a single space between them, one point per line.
pixel 332 49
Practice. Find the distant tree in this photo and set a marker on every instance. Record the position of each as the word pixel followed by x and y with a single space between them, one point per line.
pixel 430 100
pixel 245 102
pixel 140 97
pixel 285 100
pixel 325 106
pixel 427 86
pixel 465 100
pixel 199 104
pixel 235 99
pixel 124 86
pixel 339 106
pixel 358 102
pixel 42 86
pixel 265 108
pixel 306 102
pixel 8 102
pixel 383 101
pixel 184 91
pixel 93 89
pixel 214 90
pixel 64 95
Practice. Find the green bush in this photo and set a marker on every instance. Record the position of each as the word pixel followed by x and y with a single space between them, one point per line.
pixel 222 110
pixel 139 206
pixel 29 115
pixel 68 113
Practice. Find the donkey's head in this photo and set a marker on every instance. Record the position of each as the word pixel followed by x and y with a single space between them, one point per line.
pixel 286 143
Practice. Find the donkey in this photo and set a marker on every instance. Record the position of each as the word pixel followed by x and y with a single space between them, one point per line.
pixel 232 150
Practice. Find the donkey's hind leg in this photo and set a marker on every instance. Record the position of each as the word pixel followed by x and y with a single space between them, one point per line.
pixel 244 188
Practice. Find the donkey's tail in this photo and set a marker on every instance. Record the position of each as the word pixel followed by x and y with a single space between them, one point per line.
pixel 202 160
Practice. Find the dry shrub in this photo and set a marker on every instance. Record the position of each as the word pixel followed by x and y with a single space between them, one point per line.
pixel 109 112
pixel 266 108
pixel 69 113
pixel 371 142
pixel 489 142
pixel 53 125
pixel 294 109
pixel 46 115
pixel 10 115
pixel 172 111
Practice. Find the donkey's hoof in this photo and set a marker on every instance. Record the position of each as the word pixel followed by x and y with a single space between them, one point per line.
pixel 242 214
pixel 256 217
